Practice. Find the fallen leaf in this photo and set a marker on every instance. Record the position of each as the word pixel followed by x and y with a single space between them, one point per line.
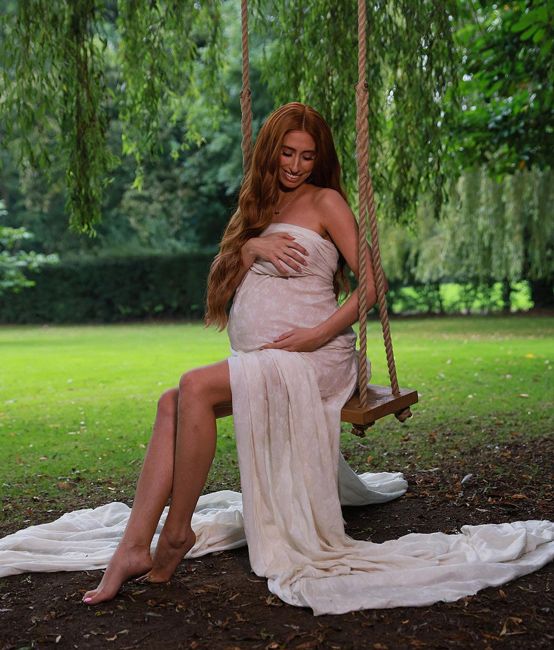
pixel 513 620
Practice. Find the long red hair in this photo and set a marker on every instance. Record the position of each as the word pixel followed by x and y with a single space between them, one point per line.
pixel 259 195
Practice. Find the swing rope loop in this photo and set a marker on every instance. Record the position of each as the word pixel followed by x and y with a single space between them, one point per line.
pixel 367 209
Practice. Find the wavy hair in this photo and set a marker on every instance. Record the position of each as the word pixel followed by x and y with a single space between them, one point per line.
pixel 259 195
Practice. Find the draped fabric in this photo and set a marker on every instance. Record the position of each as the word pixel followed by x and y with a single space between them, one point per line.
pixel 286 409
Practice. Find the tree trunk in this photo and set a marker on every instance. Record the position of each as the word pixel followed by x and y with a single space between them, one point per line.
pixel 542 294
pixel 506 296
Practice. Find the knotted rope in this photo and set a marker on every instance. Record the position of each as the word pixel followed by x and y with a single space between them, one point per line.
pixel 367 209
pixel 245 93
pixel 362 157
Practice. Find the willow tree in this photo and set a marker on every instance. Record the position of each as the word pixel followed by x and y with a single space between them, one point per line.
pixel 494 230
pixel 491 230
pixel 56 103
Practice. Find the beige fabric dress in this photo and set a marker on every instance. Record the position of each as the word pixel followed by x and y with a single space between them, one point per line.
pixel 286 408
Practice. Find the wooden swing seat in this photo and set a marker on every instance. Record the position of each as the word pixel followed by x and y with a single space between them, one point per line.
pixel 381 402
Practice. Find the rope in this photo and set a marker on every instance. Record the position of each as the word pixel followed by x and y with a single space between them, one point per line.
pixel 362 156
pixel 380 288
pixel 245 93
pixel 367 207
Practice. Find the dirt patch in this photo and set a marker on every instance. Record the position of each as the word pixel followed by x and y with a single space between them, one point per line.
pixel 216 602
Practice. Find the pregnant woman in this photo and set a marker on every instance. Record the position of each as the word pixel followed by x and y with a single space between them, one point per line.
pixel 293 366
pixel 282 257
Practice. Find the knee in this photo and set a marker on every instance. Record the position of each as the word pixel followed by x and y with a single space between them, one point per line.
pixel 167 403
pixel 193 385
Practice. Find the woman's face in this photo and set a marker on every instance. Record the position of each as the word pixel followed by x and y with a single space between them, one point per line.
pixel 297 159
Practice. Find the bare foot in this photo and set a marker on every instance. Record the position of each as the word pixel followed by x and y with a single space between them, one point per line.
pixel 125 563
pixel 168 555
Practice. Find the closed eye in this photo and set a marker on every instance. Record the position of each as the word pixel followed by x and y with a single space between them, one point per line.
pixel 288 154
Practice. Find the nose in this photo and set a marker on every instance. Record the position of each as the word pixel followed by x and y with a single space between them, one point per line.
pixel 295 164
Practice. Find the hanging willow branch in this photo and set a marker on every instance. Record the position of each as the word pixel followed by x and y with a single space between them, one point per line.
pixel 411 75
pixel 84 121
pixel 55 100
pixel 54 97
pixel 159 44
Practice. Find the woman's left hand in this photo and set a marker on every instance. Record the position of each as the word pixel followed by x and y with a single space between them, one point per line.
pixel 301 339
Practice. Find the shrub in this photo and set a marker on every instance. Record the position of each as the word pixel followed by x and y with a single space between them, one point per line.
pixel 108 289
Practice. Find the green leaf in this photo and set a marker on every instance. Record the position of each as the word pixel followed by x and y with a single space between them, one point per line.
pixel 527 35
pixel 539 35
pixel 524 22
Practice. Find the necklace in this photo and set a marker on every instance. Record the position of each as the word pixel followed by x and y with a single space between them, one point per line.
pixel 286 203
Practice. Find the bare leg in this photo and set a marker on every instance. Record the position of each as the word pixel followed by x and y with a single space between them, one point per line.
pixel 199 391
pixel 132 556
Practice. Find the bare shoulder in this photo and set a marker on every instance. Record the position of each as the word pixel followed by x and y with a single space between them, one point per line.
pixel 329 200
pixel 334 211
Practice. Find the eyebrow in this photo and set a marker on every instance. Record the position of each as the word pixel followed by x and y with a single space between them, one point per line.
pixel 286 146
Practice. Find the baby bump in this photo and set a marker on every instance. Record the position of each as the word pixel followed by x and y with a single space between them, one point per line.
pixel 266 306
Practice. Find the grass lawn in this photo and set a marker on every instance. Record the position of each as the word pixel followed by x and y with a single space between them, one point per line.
pixel 76 403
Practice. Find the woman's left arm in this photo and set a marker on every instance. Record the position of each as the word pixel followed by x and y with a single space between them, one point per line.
pixel 339 221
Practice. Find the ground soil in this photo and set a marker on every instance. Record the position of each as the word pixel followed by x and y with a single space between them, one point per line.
pixel 216 602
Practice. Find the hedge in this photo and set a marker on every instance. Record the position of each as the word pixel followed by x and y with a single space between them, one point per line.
pixel 112 289
pixel 107 290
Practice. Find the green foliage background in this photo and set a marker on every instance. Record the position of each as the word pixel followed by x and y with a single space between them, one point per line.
pixel 123 117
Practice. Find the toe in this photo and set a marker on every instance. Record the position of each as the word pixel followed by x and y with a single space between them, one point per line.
pixel 143 579
pixel 89 597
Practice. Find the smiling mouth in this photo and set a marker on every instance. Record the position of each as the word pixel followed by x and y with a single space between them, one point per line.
pixel 291 177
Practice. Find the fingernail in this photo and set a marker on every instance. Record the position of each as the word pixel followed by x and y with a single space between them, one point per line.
pixel 87 600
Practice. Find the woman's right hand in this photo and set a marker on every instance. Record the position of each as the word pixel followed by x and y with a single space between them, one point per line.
pixel 279 248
